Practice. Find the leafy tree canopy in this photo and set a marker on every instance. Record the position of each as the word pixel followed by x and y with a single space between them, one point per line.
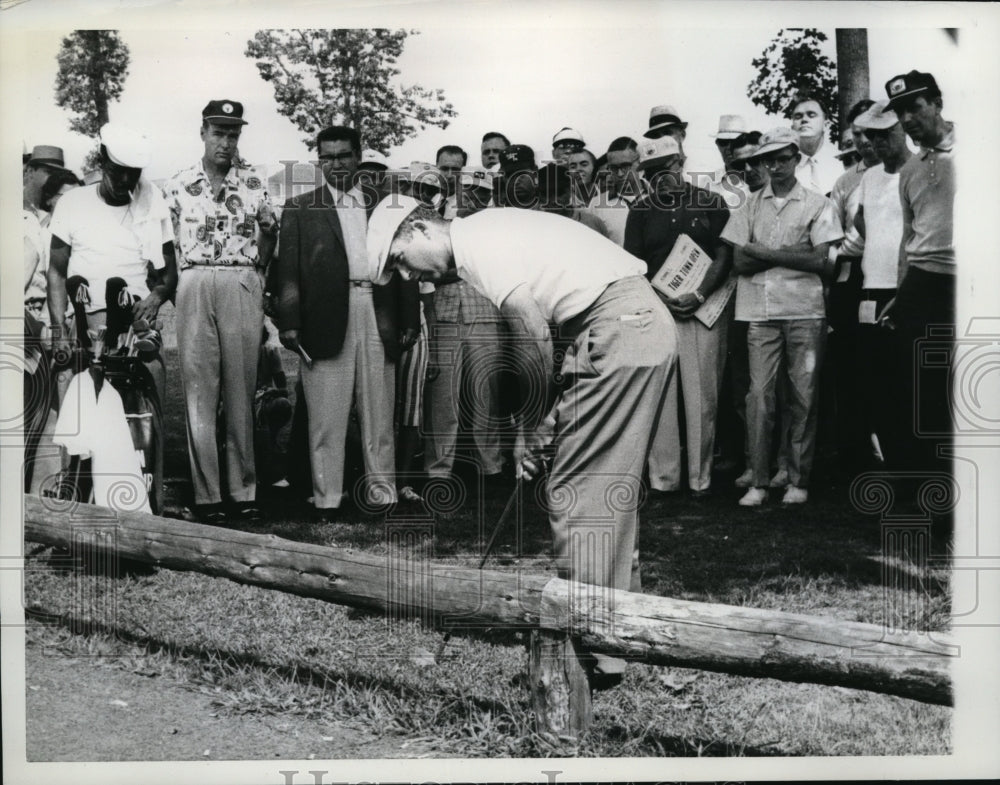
pixel 93 65
pixel 346 77
pixel 793 63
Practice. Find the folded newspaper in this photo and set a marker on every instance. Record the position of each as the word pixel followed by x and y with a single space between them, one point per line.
pixel 682 273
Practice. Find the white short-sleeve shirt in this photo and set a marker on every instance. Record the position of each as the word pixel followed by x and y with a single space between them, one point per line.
pixel 879 197
pixel 103 242
pixel 565 265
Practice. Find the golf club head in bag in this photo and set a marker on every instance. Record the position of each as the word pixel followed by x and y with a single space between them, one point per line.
pixel 78 291
pixel 119 303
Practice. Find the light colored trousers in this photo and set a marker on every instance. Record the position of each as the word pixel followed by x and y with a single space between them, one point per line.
pixel 615 376
pixel 220 315
pixel 801 343
pixel 361 373
pixel 468 358
pixel 701 359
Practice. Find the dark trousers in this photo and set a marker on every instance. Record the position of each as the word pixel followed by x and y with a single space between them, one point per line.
pixel 924 316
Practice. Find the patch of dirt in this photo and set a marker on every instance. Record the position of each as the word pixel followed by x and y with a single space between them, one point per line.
pixel 80 709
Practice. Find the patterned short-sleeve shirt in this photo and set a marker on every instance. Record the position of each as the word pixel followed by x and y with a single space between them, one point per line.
pixel 217 229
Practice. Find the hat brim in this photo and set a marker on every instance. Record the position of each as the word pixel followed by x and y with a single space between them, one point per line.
pixel 662 127
pixel 651 162
pixel 48 163
pixel 224 120
pixel 873 125
pixel 372 166
pixel 767 149
pixel 904 97
pixel 729 135
pixel 385 221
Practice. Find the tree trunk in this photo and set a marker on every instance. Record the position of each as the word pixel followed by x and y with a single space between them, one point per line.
pixel 656 630
pixel 852 70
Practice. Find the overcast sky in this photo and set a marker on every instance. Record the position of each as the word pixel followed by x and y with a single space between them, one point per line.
pixel 528 77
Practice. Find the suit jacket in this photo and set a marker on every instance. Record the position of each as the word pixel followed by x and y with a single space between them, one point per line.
pixel 312 282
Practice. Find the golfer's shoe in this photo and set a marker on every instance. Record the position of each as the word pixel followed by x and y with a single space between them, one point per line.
pixel 754 497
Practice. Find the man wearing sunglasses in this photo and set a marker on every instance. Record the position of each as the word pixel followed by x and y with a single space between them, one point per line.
pixel 781 241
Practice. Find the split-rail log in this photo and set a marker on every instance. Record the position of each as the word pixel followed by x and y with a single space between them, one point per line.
pixel 566 616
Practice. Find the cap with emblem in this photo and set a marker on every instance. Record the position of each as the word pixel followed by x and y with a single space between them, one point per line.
pixel 47 155
pixel 385 220
pixel 777 139
pixel 373 159
pixel 516 158
pixel 662 117
pixel 568 137
pixel 906 86
pixel 423 173
pixel 655 151
pixel 223 112
pixel 878 117
pixel 731 126
pixel 126 146
pixel 476 177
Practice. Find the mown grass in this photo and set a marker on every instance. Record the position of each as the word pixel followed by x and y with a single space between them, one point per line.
pixel 257 651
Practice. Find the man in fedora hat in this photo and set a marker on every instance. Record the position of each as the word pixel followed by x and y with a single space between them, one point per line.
pixel 225 229
pixel 44 159
pixel 781 241
pixel 664 120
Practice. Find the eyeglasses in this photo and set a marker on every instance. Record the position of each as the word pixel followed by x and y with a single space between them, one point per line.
pixel 338 156
pixel 492 150
pixel 779 160
pixel 620 168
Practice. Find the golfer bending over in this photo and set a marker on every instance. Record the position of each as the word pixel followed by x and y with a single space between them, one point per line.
pixel 543 270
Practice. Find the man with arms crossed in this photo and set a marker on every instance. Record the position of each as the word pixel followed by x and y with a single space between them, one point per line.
pixel 781 240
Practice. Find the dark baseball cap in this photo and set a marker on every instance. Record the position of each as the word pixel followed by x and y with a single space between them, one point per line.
pixel 223 112
pixel 517 157
pixel 906 86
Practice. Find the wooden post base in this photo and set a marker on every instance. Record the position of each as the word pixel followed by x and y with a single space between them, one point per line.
pixel 560 692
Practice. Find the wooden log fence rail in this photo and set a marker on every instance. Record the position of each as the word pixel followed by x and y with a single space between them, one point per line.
pixel 567 617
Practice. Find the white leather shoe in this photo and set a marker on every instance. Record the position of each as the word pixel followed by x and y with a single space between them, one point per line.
pixel 795 495
pixel 754 497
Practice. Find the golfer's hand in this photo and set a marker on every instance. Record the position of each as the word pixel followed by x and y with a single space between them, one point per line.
pixel 290 340
pixel 529 450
